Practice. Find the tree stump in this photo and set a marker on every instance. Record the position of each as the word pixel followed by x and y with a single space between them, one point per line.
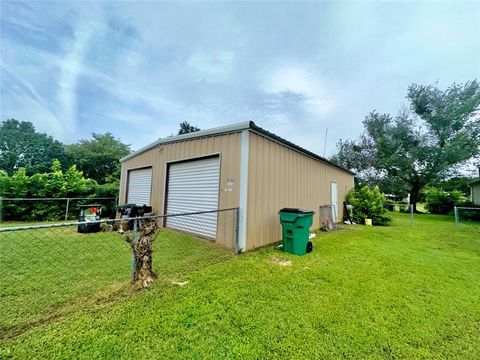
pixel 141 244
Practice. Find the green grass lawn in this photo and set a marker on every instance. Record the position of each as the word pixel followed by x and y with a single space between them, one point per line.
pixel 383 292
pixel 50 272
pixel 45 271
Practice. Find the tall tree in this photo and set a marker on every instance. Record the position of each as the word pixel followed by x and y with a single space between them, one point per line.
pixel 416 148
pixel 186 128
pixel 22 146
pixel 99 157
pixel 459 183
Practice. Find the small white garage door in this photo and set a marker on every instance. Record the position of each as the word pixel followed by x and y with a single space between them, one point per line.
pixel 193 186
pixel 139 186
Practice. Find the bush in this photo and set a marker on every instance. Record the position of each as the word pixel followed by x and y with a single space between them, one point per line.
pixel 438 201
pixel 108 190
pixel 53 184
pixel 368 204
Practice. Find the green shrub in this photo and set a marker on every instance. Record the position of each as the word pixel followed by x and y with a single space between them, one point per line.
pixel 54 184
pixel 438 201
pixel 368 204
pixel 108 190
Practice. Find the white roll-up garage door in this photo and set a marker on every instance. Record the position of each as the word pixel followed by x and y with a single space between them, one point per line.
pixel 193 186
pixel 139 186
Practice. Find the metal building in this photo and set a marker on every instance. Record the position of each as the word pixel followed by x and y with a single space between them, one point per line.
pixel 239 165
pixel 475 191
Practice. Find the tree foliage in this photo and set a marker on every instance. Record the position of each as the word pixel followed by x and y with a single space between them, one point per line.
pixel 22 146
pixel 186 128
pixel 52 184
pixel 99 158
pixel 36 165
pixel 418 147
pixel 459 183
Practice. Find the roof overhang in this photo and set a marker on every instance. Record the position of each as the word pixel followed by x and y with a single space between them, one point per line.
pixel 474 182
pixel 246 125
pixel 193 135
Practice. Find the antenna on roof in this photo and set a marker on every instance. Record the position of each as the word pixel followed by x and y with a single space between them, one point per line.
pixel 325 143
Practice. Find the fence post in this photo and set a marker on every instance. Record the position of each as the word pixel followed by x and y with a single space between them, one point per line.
pixel 66 211
pixel 455 211
pixel 1 209
pixel 411 214
pixel 237 223
pixel 134 243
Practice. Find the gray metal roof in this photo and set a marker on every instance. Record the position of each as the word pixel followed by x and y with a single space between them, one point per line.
pixel 193 135
pixel 250 125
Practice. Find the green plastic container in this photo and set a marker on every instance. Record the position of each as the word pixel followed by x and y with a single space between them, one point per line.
pixel 296 230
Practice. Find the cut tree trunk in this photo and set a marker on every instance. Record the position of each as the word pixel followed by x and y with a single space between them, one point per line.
pixel 142 247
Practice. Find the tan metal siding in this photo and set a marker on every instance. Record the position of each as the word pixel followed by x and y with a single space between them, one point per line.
pixel 227 145
pixel 281 177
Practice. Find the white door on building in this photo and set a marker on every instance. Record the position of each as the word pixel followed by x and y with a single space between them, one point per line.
pixel 139 186
pixel 334 202
pixel 193 186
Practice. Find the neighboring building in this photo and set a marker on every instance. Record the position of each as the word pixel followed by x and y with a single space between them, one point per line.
pixel 475 192
pixel 240 165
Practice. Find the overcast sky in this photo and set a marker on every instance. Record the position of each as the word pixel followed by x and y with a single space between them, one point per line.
pixel 138 69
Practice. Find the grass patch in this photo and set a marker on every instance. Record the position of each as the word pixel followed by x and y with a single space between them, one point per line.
pixel 49 273
pixel 400 291
pixel 44 271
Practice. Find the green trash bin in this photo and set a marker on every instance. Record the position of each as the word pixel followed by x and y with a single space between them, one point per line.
pixel 296 230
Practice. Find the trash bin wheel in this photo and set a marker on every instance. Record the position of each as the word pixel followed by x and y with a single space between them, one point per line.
pixel 309 247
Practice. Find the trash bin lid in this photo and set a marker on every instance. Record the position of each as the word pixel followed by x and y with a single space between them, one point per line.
pixel 126 206
pixel 131 206
pixel 296 211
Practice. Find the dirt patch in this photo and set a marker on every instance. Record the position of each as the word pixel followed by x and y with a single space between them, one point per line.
pixel 279 261
pixel 62 310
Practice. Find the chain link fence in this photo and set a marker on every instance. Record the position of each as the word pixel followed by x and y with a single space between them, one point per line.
pixel 466 214
pixel 46 270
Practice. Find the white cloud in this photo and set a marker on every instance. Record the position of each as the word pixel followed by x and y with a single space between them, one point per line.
pixel 117 65
pixel 70 71
pixel 212 66
pixel 318 100
pixel 24 100
pixel 22 107
pixel 132 118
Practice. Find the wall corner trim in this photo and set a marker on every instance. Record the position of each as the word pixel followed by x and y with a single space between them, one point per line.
pixel 243 203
